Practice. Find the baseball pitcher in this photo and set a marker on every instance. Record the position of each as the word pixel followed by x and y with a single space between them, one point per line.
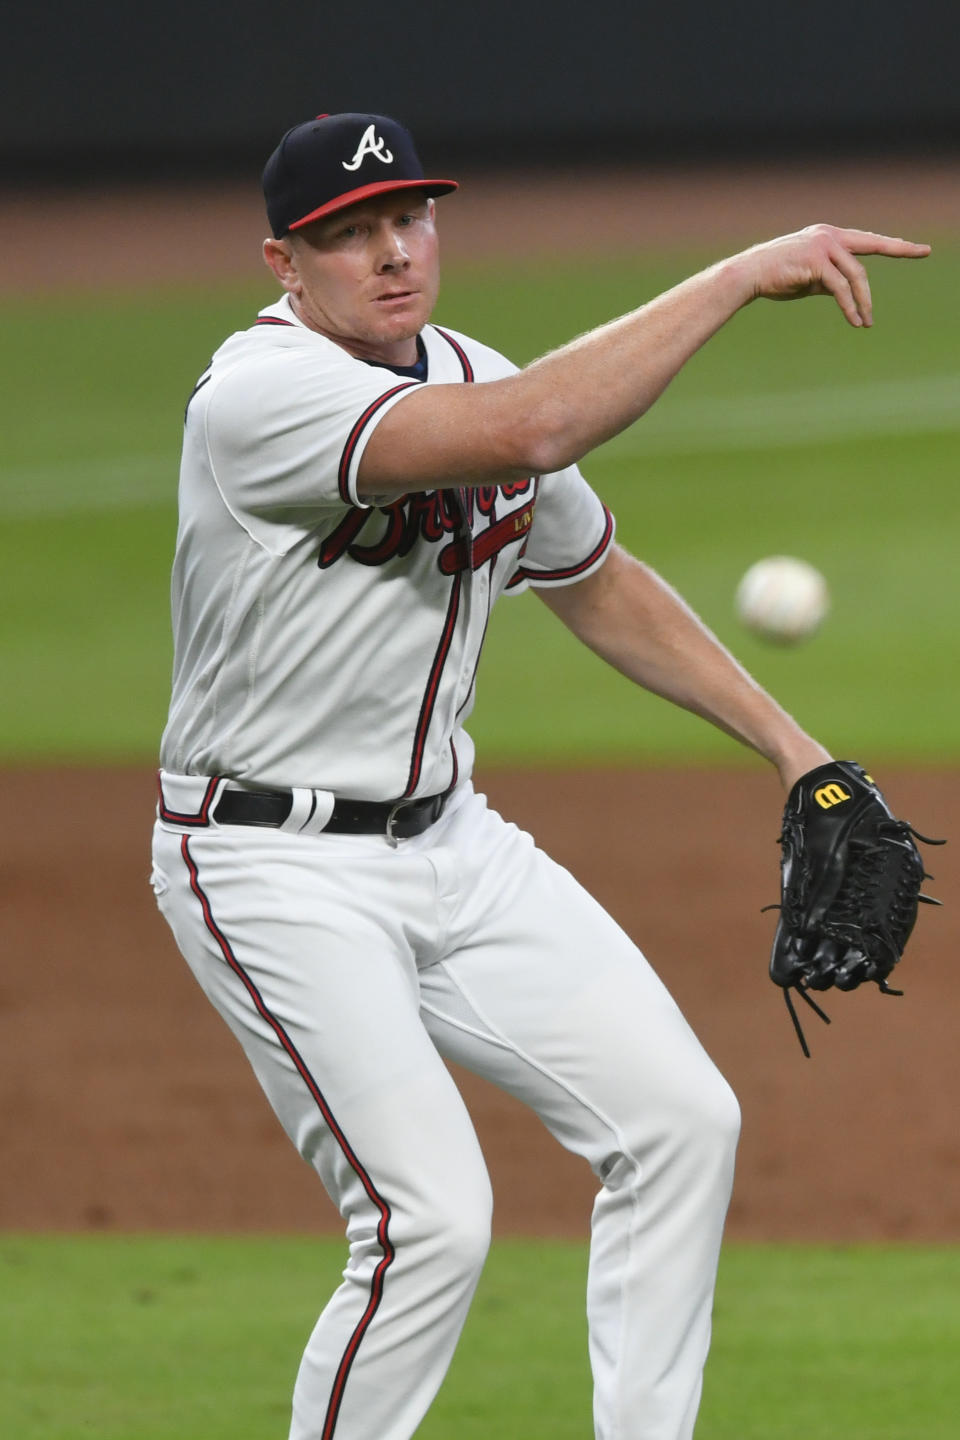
pixel 358 488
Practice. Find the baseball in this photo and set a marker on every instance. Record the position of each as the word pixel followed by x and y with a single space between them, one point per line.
pixel 782 599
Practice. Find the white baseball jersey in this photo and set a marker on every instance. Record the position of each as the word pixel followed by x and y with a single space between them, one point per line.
pixel 321 641
pixel 324 644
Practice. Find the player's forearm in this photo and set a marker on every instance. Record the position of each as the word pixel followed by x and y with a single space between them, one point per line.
pixel 636 622
pixel 577 397
pixel 559 408
pixel 595 387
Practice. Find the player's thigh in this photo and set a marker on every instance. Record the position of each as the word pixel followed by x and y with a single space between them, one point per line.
pixel 551 1000
pixel 323 995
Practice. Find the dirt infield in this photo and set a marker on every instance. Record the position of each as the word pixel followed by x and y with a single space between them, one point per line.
pixel 125 1104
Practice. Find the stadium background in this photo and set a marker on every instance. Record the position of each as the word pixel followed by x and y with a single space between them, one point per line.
pixel 603 158
pixel 96 87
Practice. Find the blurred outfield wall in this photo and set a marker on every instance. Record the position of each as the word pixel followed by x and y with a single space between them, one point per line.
pixel 107 85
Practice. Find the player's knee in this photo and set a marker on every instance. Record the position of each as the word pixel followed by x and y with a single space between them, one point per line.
pixel 453 1230
pixel 712 1124
pixel 466 1242
pixel 694 1133
pixel 725 1114
pixel 467 1225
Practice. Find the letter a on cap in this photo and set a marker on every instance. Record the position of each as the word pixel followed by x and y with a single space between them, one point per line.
pixel 370 144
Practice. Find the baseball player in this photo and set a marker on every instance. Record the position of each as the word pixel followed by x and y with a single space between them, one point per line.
pixel 358 487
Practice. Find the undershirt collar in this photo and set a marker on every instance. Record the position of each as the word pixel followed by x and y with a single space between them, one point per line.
pixel 412 372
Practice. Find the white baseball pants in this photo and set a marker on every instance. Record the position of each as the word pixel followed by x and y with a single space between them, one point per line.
pixel 347 966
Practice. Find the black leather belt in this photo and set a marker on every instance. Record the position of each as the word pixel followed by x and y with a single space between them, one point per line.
pixel 399 819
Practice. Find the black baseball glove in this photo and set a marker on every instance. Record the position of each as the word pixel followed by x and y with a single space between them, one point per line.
pixel 850 886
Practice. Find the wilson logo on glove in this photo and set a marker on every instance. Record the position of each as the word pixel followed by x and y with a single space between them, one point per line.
pixel 829 795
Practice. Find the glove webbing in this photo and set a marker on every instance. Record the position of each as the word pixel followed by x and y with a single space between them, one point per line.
pixel 872 851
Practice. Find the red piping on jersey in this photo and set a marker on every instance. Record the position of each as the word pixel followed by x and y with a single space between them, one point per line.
pixel 343 473
pixel 273 320
pixel 200 818
pixel 446 638
pixel 572 570
pixel 433 684
pixel 461 354
pixel 386 1245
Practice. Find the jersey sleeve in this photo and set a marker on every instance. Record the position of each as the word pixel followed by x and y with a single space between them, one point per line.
pixel 570 536
pixel 285 429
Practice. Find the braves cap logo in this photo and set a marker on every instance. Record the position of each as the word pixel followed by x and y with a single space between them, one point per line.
pixel 370 144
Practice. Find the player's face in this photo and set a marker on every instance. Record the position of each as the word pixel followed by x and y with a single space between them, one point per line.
pixel 366 277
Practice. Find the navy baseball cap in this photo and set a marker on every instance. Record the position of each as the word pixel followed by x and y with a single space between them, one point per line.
pixel 333 161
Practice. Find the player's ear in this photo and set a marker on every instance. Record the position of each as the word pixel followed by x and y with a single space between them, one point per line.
pixel 278 256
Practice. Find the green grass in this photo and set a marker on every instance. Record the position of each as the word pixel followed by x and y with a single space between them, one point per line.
pixel 167 1338
pixel 876 680
pixel 788 433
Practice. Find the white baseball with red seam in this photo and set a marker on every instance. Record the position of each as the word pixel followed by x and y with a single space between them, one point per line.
pixel 782 599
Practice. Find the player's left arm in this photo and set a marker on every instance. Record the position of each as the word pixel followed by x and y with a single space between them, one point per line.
pixel 631 617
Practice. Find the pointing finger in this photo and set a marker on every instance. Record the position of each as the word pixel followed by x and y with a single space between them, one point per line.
pixel 866 242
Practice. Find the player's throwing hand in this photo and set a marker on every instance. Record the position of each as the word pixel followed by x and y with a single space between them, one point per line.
pixel 821 260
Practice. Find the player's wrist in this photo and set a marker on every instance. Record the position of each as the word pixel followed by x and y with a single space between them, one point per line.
pixel 798 758
pixel 739 278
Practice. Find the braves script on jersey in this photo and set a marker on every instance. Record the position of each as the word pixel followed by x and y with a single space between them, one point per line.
pixel 319 641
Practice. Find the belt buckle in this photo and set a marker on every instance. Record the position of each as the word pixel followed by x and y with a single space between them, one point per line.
pixel 400 805
pixel 409 804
